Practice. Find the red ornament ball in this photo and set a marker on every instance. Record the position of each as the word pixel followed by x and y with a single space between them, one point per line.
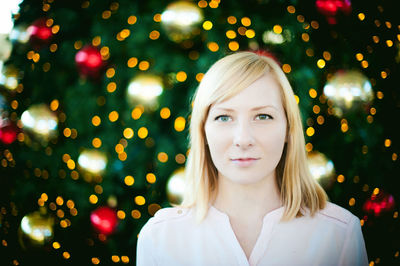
pixel 104 220
pixel 379 203
pixel 331 8
pixel 267 53
pixel 89 61
pixel 8 132
pixel 39 32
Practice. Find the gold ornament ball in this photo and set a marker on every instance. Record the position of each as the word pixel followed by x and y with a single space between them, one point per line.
pixel 347 87
pixel 9 76
pixel 321 168
pixel 181 20
pixel 41 121
pixel 36 230
pixel 145 89
pixel 176 186
pixel 92 161
pixel 5 47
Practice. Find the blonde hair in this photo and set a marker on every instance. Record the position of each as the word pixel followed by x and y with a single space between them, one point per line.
pixel 227 77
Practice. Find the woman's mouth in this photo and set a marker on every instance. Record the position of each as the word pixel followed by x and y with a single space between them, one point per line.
pixel 244 162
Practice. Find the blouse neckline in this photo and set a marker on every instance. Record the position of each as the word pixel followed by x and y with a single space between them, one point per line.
pixel 269 221
pixel 277 213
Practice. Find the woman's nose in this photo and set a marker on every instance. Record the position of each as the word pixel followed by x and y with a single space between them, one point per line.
pixel 243 135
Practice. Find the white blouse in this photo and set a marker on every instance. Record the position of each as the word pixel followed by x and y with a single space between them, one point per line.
pixel 332 237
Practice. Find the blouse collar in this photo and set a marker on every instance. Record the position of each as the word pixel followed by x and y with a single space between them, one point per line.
pixel 274 215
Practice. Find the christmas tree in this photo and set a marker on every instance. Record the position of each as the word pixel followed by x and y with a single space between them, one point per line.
pixel 95 100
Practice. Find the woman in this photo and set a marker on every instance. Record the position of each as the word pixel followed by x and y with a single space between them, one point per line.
pixel 250 198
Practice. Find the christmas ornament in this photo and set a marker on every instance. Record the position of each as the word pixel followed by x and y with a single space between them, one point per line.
pixel 92 161
pixel 36 230
pixel 176 186
pixel 267 54
pixel 144 89
pixel 104 220
pixel 321 168
pixel 270 37
pixel 5 47
pixel 319 165
pixel 39 33
pixel 9 76
pixel 19 34
pixel 89 62
pixel 331 8
pixel 379 203
pixel 181 20
pixel 348 87
pixel 8 131
pixel 40 121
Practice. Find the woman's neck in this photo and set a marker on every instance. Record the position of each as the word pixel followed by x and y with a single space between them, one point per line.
pixel 247 201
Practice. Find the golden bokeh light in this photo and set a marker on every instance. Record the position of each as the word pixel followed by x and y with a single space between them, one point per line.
pixel 143 132
pixel 250 33
pixel 233 46
pixel 111 87
pixel 245 21
pixel 154 35
pixel 151 178
pixel 277 29
pixel 132 62
pixel 129 180
pixel 291 9
pixel 312 92
pixel 128 133
pixel 132 20
pixel 165 113
pixel 162 157
pixel 144 65
pixel 179 124
pixel 121 214
pixel 96 142
pixel 93 199
pixel 286 68
pixel 310 131
pixel 213 46
pixel 181 76
pixel 230 34
pixel 113 116
pixel 321 63
pixel 71 164
pixel 231 20
pixel 140 200
pixel 137 112
pixel 96 120
pixel 207 25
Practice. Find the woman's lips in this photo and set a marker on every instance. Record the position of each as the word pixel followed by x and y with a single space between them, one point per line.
pixel 244 162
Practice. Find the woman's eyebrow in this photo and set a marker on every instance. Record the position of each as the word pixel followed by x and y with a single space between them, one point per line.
pixel 253 109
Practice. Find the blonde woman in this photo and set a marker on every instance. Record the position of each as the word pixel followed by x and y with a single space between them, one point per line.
pixel 250 198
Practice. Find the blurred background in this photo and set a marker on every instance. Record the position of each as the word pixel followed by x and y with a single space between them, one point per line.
pixel 95 99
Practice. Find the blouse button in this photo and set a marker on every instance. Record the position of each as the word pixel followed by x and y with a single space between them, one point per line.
pixel 179 211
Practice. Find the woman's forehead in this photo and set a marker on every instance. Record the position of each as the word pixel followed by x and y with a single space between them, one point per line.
pixel 250 107
pixel 263 93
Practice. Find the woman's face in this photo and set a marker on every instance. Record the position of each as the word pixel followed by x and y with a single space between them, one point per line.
pixel 246 133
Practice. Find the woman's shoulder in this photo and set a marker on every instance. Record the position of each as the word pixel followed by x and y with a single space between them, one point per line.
pixel 168 214
pixel 338 215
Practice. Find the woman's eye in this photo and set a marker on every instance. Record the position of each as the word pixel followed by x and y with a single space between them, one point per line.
pixel 223 118
pixel 264 116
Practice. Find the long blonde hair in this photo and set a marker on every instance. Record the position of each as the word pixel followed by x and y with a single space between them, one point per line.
pixel 225 78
